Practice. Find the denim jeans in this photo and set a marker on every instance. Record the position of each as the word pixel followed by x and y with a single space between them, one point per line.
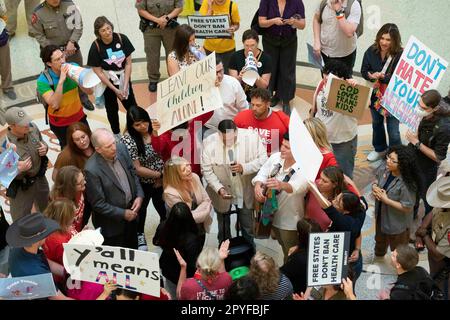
pixel 345 155
pixel 379 141
pixel 357 267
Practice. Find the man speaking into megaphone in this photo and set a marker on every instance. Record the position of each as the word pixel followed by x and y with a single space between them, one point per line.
pixel 59 93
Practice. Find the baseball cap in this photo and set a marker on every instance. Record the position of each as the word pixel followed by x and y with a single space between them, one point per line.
pixel 16 115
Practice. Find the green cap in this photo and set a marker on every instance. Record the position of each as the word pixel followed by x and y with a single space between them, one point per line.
pixel 239 272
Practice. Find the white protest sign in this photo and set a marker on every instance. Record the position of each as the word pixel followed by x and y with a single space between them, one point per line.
pixel 187 94
pixel 131 269
pixel 327 258
pixel 418 70
pixel 212 27
pixel 305 152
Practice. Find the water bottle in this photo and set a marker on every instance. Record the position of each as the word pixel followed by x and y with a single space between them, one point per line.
pixel 199 55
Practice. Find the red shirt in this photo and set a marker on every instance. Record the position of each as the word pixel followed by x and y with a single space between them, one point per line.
pixel 328 161
pixel 191 290
pixel 266 128
pixel 164 145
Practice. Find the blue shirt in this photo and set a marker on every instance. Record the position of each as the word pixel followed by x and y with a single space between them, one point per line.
pixel 23 263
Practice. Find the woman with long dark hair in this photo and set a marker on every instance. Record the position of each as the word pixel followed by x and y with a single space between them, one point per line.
pixel 347 213
pixel 379 63
pixel 78 149
pixel 395 196
pixel 179 231
pixel 429 143
pixel 185 50
pixel 148 165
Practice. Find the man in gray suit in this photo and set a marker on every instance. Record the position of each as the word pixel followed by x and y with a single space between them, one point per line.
pixel 113 190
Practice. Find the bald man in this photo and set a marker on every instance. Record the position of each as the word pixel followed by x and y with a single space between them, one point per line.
pixel 113 190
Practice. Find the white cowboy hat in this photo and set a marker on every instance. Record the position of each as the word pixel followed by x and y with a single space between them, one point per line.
pixel 438 194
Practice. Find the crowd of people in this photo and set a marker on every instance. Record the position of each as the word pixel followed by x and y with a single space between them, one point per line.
pixel 108 177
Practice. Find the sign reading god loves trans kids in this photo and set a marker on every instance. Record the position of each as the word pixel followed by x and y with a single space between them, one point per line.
pixel 348 100
pixel 327 258
pixel 419 70
pixel 210 26
pixel 187 94
pixel 131 269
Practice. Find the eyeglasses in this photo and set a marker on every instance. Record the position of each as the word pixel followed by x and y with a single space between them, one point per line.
pixel 391 160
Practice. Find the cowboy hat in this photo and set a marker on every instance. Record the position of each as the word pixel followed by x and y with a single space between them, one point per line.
pixel 30 229
pixel 438 194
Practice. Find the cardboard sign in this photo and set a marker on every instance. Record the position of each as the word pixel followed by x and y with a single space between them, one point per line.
pixel 188 94
pixel 305 152
pixel 27 288
pixel 328 255
pixel 131 269
pixel 210 27
pixel 348 100
pixel 418 70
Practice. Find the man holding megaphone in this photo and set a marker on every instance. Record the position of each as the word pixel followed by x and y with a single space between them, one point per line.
pixel 60 93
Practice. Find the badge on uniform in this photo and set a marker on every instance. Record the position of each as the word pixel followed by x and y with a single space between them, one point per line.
pixel 118 45
pixel 34 18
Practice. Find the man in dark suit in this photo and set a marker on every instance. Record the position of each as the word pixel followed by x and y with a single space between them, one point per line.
pixel 113 190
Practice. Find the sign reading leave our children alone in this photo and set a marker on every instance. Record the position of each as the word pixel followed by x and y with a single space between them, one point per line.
pixel 418 70
pixel 131 269
pixel 347 99
pixel 210 26
pixel 187 94
pixel 328 258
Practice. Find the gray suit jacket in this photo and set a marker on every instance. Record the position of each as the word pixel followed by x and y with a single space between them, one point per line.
pixel 105 193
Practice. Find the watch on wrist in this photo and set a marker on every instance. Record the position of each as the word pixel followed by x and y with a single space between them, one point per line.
pixel 417 145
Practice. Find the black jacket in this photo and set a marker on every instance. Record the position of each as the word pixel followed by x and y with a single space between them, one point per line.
pixel 412 284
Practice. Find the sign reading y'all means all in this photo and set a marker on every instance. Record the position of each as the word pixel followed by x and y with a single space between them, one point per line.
pixel 131 269
pixel 187 94
pixel 418 70
pixel 210 27
pixel 328 255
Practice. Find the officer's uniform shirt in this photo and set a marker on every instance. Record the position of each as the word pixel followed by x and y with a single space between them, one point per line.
pixel 57 25
pixel 441 230
pixel 158 8
pixel 28 147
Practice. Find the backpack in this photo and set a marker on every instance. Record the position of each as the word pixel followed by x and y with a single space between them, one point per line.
pixel 360 28
pixel 39 97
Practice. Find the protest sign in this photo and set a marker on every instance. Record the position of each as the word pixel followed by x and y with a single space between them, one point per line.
pixel 187 94
pixel 210 27
pixel 418 70
pixel 305 152
pixel 328 254
pixel 27 288
pixel 131 269
pixel 9 161
pixel 348 100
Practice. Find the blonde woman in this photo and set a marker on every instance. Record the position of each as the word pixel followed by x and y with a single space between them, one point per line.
pixel 182 185
pixel 211 281
pixel 318 132
pixel 273 285
pixel 63 212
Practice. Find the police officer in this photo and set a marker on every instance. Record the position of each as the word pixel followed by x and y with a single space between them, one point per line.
pixel 59 22
pixel 30 185
pixel 438 240
pixel 11 6
pixel 161 16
